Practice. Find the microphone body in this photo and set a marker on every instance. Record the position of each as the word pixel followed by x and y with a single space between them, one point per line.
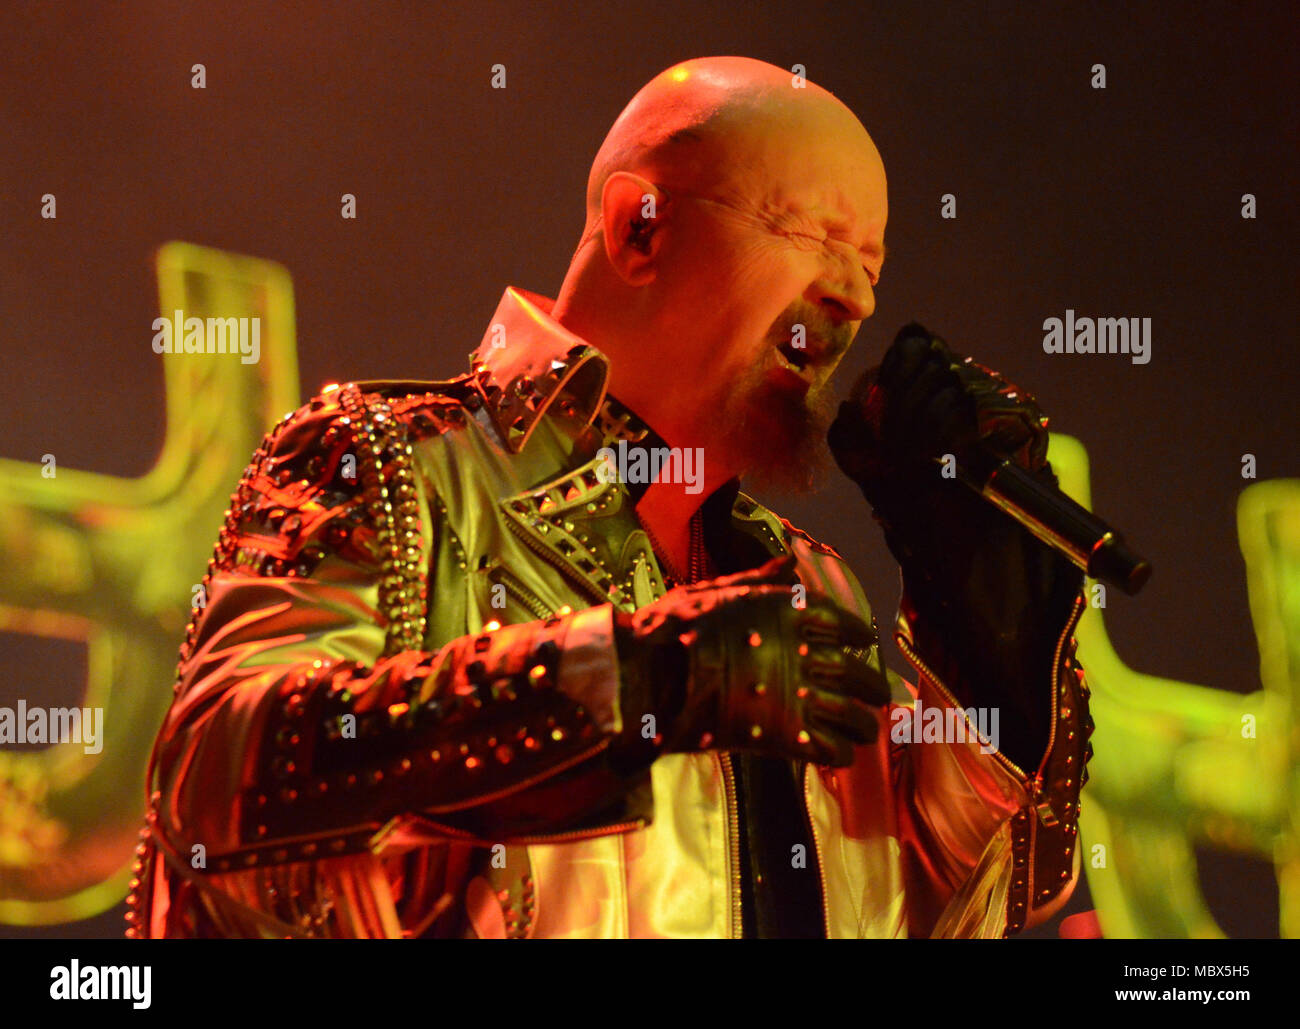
pixel 1065 526
pixel 1004 413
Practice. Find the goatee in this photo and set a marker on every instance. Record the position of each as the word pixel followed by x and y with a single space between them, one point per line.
pixel 778 436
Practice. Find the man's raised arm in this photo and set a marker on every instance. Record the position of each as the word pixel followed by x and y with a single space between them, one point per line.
pixel 986 618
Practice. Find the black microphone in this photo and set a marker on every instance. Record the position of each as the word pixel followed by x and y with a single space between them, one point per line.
pixel 1052 517
pixel 1067 527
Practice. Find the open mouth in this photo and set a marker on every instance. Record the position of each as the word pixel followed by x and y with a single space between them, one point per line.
pixel 796 358
pixel 801 362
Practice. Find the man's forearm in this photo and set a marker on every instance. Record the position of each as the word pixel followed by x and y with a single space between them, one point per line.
pixel 329 750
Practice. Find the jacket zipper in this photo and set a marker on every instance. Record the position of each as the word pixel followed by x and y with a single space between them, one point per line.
pixel 916 660
pixel 817 849
pixel 515 587
pixel 733 845
pixel 558 563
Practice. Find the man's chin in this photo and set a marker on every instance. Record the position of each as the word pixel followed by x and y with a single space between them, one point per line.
pixel 779 439
pixel 798 474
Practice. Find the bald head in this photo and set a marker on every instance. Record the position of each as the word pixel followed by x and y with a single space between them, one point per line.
pixel 698 124
pixel 734 236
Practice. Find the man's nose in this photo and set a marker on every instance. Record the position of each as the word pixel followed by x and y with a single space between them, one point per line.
pixel 844 292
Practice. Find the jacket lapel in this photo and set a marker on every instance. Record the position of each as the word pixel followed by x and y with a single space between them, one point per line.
pixel 588 529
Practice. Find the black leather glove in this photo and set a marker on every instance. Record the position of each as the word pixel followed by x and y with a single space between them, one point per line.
pixel 988 600
pixel 733 664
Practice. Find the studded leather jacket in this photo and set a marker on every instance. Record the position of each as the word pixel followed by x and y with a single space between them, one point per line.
pixel 395 713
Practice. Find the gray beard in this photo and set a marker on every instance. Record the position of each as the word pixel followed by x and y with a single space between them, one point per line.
pixel 776 437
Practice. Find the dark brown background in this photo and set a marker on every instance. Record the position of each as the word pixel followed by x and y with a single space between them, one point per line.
pixel 1115 202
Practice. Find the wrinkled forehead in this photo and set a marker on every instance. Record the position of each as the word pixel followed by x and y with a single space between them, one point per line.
pixel 820 163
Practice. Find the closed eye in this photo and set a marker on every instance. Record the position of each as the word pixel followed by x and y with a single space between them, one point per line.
pixel 804 238
pixel 821 238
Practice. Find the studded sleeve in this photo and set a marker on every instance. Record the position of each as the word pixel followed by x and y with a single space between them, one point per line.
pixel 990 848
pixel 307 717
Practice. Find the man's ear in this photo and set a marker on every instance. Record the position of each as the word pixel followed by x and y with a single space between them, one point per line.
pixel 632 213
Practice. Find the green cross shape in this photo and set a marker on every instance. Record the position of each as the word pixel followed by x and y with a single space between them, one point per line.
pixel 114 562
pixel 1177 763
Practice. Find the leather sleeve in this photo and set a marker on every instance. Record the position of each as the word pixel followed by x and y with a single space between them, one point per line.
pixel 307 716
pixel 990 848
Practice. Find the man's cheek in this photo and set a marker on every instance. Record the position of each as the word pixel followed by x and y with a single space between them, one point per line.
pixel 768 266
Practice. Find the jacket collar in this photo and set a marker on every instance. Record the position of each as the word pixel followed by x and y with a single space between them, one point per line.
pixel 528 365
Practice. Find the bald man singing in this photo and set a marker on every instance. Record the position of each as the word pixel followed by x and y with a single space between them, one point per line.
pixel 513 654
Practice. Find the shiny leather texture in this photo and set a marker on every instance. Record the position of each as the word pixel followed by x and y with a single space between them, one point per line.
pixel 393 716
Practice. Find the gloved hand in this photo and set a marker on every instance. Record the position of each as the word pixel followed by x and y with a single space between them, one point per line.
pixel 988 600
pixel 733 664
